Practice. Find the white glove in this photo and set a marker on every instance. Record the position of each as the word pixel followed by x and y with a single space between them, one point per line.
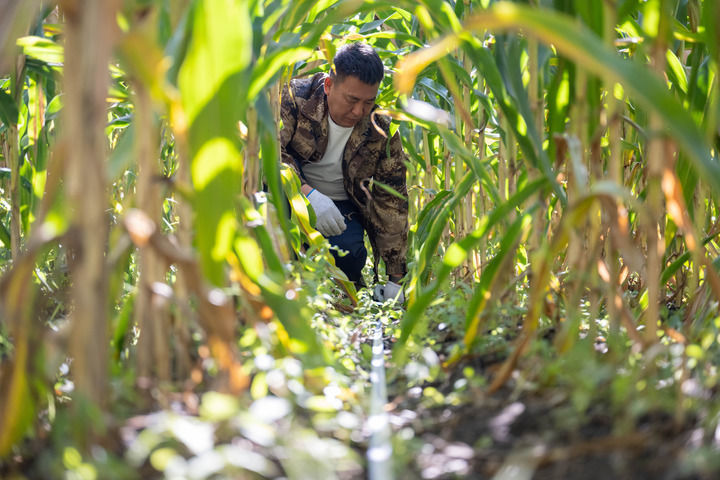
pixel 330 221
pixel 390 290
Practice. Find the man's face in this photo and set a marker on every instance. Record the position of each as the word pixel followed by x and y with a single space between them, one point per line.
pixel 349 100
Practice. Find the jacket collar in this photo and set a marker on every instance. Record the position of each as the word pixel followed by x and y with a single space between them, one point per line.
pixel 315 108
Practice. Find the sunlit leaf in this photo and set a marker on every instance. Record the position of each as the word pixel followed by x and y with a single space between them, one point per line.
pixel 427 295
pixel 42 49
pixel 271 65
pixel 210 78
pixel 677 71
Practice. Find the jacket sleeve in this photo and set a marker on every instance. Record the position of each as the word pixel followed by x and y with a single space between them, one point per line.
pixel 288 115
pixel 391 207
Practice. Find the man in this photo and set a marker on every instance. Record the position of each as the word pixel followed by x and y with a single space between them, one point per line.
pixel 328 137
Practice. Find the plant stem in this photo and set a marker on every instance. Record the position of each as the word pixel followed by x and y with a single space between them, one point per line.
pixel 151 313
pixel 14 161
pixel 91 32
pixel 656 158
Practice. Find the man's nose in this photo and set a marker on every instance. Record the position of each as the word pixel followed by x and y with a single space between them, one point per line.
pixel 358 110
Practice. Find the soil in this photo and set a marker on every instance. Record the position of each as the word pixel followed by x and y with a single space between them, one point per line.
pixel 535 434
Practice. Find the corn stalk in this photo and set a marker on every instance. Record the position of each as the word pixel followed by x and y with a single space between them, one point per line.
pixel 91 33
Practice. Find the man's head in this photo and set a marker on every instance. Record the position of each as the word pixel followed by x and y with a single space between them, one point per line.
pixel 353 83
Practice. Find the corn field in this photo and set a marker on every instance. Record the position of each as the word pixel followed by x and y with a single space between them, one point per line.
pixel 167 309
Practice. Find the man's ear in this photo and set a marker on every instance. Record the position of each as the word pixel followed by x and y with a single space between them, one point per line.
pixel 327 85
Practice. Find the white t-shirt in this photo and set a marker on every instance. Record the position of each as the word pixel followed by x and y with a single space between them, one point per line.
pixel 326 175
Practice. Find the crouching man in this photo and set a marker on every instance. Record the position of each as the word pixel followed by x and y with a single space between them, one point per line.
pixel 329 139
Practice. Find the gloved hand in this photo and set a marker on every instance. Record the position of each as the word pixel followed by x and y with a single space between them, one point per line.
pixel 330 221
pixel 390 290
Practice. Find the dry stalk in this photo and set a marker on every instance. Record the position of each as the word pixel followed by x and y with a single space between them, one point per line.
pixel 151 313
pixel 90 35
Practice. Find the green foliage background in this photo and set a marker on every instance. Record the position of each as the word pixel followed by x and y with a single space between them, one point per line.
pixel 563 176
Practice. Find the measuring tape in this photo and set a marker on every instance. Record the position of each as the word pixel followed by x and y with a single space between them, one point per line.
pixel 379 453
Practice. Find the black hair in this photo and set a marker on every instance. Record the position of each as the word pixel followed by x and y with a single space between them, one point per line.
pixel 358 60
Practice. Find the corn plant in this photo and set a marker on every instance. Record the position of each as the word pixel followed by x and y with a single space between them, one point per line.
pixel 562 169
pixel 573 154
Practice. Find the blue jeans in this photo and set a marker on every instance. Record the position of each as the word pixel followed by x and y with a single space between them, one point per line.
pixel 352 240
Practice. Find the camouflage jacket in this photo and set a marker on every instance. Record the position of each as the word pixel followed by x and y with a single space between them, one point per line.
pixel 304 138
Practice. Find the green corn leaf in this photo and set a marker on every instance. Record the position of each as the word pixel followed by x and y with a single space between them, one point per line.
pixel 271 64
pixel 389 190
pixel 369 26
pixel 121 329
pixel 591 11
pixel 681 32
pixel 428 212
pixel 264 246
pixel 290 308
pixel 520 125
pixel 176 46
pixel 121 157
pixel 250 257
pixel 212 74
pixel 482 291
pixel 303 216
pixel 18 405
pixel 673 268
pixel 626 8
pixel 431 86
pixel 302 213
pixel 402 38
pixel 582 46
pixel 676 71
pixel 558 101
pixel 709 21
pixel 4 235
pixel 8 109
pixel 454 257
pixel 271 170
pixel 24 182
pixel 42 49
pixel 430 246
pixel 689 182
